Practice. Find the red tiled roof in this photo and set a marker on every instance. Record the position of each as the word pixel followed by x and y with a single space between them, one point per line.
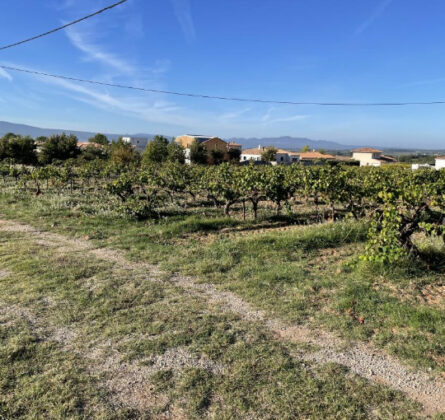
pixel 232 143
pixel 440 157
pixel 83 144
pixel 367 150
pixel 314 155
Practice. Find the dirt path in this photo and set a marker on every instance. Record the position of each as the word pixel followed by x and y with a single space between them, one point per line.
pixel 361 359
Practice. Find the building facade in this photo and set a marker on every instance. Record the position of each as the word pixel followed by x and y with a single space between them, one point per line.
pixel 440 162
pixel 367 156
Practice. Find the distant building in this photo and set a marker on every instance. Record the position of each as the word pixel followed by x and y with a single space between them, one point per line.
pixel 209 143
pixel 368 156
pixel 286 157
pixel 440 162
pixel 282 156
pixel 233 145
pixel 311 158
pixel 139 143
pixel 416 166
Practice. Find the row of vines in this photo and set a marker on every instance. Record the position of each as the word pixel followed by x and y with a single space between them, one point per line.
pixel 398 202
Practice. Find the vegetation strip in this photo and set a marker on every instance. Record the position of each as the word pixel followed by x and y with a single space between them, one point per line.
pixel 362 360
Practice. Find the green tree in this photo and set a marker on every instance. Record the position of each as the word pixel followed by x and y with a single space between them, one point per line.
pixel 269 154
pixel 175 152
pixel 305 148
pixel 59 147
pixel 198 153
pixel 234 155
pixel 23 150
pixel 99 139
pixel 156 150
pixel 123 153
pixel 94 151
pixel 217 157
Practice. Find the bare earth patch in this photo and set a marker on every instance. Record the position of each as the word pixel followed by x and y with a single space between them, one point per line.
pixel 361 359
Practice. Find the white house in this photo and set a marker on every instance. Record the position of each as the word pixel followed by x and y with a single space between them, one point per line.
pixel 139 143
pixel 440 162
pixel 282 156
pixel 368 156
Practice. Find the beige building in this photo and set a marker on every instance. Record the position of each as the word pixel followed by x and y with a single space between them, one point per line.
pixel 210 144
pixel 367 156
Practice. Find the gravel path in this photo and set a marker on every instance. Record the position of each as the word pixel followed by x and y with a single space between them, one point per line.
pixel 363 360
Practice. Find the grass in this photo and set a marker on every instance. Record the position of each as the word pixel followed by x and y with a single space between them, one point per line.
pixel 307 273
pixel 111 310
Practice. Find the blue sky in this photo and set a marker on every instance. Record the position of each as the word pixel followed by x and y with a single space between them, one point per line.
pixel 300 50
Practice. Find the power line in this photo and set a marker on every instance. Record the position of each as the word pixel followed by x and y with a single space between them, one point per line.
pixel 222 98
pixel 64 26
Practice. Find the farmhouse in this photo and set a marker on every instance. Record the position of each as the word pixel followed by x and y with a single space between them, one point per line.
pixel 440 162
pixel 209 143
pixel 367 156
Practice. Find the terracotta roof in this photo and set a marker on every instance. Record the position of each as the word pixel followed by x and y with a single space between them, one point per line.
pixel 254 151
pixel 232 143
pixel 367 150
pixel 83 144
pixel 440 157
pixel 314 155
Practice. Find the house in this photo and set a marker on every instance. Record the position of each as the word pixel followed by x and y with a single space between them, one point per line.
pixel 252 154
pixel 367 156
pixel 281 157
pixel 84 144
pixel 311 158
pixel 440 162
pixel 235 146
pixel 210 144
pixel 139 143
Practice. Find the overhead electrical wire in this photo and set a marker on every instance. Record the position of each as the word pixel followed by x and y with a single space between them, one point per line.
pixel 222 98
pixel 15 44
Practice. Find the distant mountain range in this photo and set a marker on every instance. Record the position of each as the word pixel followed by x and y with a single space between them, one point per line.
pixel 285 142
pixel 28 130
pixel 292 143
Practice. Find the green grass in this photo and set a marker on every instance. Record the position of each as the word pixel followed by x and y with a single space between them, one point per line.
pixel 103 304
pixel 298 275
pixel 306 274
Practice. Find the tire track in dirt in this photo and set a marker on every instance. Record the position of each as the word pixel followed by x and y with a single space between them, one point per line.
pixel 361 359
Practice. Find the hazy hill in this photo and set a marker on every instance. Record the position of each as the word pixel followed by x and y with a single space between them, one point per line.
pixel 284 142
pixel 287 142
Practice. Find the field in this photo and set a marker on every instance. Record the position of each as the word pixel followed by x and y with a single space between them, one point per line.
pixel 202 311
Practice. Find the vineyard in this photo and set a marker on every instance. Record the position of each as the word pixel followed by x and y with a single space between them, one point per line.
pixel 167 290
pixel 397 202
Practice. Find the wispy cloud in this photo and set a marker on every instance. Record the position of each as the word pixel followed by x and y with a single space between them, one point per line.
pixel 5 75
pixel 268 118
pixel 97 53
pixel 183 12
pixel 234 114
pixel 377 12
